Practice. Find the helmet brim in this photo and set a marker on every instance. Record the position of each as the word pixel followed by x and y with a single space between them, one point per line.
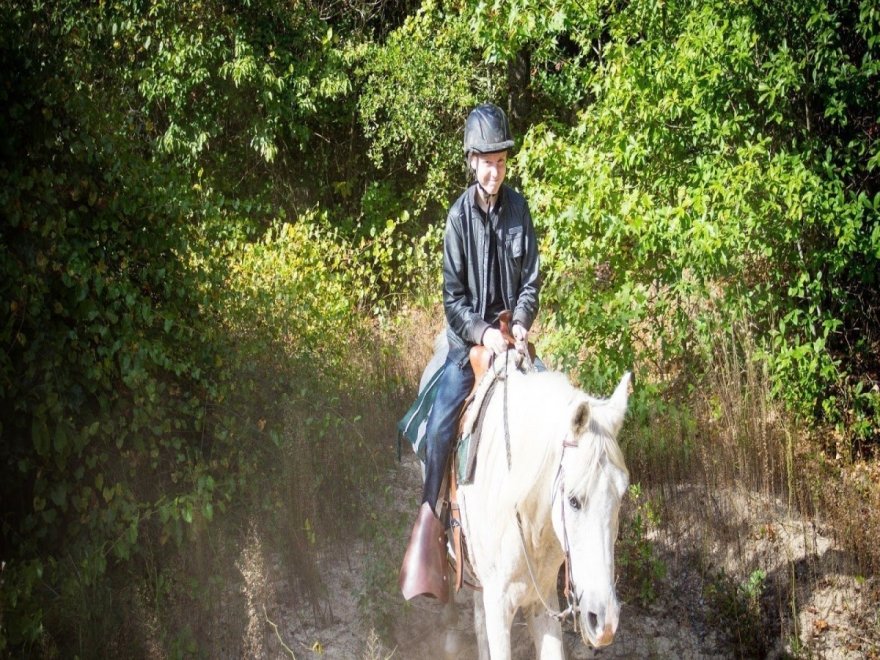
pixel 495 147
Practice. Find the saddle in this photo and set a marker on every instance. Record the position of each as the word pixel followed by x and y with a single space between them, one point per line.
pixel 487 372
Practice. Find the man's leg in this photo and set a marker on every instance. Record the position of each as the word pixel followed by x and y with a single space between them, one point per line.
pixel 454 386
pixel 424 569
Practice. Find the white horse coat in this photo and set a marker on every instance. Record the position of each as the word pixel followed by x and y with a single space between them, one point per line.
pixel 565 481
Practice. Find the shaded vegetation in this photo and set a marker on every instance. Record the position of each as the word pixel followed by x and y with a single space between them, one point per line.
pixel 216 217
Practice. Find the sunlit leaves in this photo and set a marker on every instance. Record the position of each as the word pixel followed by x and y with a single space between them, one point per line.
pixel 689 192
pixel 418 87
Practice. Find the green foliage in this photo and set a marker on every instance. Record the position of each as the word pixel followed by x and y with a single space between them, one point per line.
pixel 217 86
pixel 710 177
pixel 738 609
pixel 137 147
pixel 557 38
pixel 640 569
pixel 418 87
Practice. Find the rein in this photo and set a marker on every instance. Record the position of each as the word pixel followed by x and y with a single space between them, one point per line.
pixel 522 362
pixel 506 416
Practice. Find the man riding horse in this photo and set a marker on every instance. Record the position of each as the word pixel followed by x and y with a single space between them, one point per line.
pixel 490 264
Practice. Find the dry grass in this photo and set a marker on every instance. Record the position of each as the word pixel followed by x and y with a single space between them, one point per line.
pixel 323 473
pixel 748 496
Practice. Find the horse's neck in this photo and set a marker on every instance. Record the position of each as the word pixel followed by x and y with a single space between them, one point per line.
pixel 537 443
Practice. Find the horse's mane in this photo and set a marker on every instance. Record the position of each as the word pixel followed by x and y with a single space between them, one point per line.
pixel 543 405
pixel 594 444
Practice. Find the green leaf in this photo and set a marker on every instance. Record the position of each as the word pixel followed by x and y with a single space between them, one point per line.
pixel 40 436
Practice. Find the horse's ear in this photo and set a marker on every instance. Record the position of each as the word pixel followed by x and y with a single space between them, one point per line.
pixel 617 403
pixel 580 419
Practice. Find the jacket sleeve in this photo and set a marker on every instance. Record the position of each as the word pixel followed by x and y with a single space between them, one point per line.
pixel 527 298
pixel 461 316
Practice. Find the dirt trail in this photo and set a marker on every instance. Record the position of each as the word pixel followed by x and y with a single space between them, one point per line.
pixel 832 607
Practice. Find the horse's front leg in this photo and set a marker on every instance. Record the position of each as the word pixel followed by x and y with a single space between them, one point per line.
pixel 497 617
pixel 546 632
pixel 480 626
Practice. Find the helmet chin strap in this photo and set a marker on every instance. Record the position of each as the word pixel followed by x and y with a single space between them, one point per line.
pixel 486 196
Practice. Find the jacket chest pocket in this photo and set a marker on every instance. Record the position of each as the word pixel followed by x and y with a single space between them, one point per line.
pixel 513 247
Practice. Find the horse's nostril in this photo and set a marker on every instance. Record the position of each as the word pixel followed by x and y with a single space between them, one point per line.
pixel 592 620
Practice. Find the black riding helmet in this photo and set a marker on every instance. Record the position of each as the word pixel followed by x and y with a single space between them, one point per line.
pixel 486 130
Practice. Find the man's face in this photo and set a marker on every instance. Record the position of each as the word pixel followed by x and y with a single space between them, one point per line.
pixel 490 170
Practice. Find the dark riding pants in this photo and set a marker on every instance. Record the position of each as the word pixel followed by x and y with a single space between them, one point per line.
pixel 455 384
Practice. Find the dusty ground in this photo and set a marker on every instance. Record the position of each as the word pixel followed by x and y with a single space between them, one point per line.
pixel 834 615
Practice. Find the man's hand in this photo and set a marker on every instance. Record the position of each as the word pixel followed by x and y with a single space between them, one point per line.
pixel 494 340
pixel 521 335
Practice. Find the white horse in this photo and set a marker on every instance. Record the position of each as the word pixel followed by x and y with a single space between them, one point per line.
pixel 557 501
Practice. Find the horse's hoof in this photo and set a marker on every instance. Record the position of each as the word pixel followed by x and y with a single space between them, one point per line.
pixel 452 646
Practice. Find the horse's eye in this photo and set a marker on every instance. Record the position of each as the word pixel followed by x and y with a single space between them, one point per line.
pixel 574 503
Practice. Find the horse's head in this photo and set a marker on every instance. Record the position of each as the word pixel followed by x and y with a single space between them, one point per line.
pixel 588 492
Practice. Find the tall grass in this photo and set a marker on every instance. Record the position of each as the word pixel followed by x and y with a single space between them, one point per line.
pixel 745 495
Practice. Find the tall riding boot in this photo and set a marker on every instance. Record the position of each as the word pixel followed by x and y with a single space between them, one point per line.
pixel 424 565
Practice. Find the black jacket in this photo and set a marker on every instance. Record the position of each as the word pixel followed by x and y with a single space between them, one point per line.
pixel 465 264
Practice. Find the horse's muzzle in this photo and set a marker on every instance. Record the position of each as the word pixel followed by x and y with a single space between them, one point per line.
pixel 606 637
pixel 600 627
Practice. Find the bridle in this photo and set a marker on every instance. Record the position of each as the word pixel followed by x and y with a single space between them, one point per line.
pixel 572 600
